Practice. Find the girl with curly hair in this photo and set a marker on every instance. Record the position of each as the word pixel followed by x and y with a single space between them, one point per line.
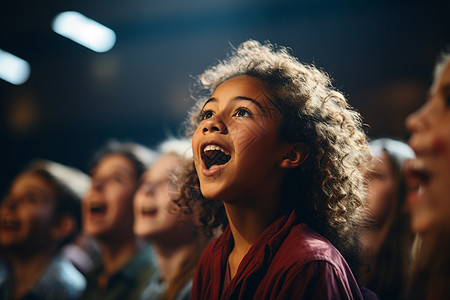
pixel 278 151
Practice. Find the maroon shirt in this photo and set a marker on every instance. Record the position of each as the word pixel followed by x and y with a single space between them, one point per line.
pixel 288 261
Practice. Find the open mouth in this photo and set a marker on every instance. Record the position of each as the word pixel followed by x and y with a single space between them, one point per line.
pixel 148 212
pixel 10 224
pixel 97 209
pixel 214 155
pixel 416 173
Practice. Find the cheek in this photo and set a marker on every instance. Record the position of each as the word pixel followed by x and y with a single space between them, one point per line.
pixel 378 201
pixel 38 220
pixel 196 145
pixel 441 144
pixel 119 196
pixel 138 201
pixel 422 218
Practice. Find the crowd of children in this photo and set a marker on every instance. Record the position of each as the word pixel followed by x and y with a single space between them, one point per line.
pixel 275 192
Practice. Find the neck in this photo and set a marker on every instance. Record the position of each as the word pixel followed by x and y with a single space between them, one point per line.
pixel 116 255
pixel 27 271
pixel 170 258
pixel 247 224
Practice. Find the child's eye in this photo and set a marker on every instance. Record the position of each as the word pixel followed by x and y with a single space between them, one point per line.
pixel 242 112
pixel 204 115
pixel 31 198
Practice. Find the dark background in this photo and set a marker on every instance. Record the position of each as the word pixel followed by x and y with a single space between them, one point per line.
pixel 380 54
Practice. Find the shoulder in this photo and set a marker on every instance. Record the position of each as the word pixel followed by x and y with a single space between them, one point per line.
pixel 311 263
pixel 303 245
pixel 185 291
pixel 61 280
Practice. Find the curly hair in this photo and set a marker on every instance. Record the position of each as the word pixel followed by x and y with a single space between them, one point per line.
pixel 327 190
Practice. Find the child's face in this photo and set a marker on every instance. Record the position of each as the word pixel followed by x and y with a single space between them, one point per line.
pixel 156 215
pixel 430 140
pixel 26 213
pixel 108 205
pixel 236 145
pixel 381 189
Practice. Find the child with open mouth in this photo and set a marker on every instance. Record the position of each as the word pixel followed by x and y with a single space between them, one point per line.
pixel 430 170
pixel 278 151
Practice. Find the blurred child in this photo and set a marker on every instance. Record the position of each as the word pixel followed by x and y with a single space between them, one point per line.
pixel 430 207
pixel 178 239
pixel 388 238
pixel 127 263
pixel 39 215
pixel 280 151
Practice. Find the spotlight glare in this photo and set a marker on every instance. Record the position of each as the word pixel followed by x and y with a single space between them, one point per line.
pixel 13 69
pixel 84 31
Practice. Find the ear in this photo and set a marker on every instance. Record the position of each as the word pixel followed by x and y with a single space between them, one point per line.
pixel 62 227
pixel 294 155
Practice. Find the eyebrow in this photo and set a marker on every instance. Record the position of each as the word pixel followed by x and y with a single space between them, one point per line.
pixel 238 98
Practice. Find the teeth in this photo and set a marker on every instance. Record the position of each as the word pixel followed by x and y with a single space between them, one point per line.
pixel 416 164
pixel 212 148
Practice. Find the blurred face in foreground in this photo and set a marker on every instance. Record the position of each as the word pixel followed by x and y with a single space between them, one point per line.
pixel 430 140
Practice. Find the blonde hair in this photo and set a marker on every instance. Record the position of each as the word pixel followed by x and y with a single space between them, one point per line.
pixel 327 190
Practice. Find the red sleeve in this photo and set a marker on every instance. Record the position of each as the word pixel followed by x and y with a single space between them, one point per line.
pixel 318 280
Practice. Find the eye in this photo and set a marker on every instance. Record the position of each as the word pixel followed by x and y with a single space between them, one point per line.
pixel 117 178
pixel 242 112
pixel 31 198
pixel 204 115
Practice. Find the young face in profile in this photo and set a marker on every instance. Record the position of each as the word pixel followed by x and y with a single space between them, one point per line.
pixel 27 213
pixel 430 140
pixel 157 217
pixel 108 205
pixel 237 145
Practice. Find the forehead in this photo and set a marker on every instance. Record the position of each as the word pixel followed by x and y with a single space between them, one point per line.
pixel 163 167
pixel 29 182
pixel 114 162
pixel 243 86
pixel 443 79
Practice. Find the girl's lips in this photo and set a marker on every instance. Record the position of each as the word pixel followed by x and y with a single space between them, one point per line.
pixel 213 170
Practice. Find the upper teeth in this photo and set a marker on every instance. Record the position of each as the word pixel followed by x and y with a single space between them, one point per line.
pixel 212 147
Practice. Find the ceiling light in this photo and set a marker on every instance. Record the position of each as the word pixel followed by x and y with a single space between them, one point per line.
pixel 13 69
pixel 84 31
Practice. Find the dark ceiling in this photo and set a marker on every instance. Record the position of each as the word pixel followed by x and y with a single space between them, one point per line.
pixel 380 55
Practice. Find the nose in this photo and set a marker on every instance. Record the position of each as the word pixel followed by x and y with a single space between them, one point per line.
pixel 97 185
pixel 10 203
pixel 149 188
pixel 214 124
pixel 417 121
